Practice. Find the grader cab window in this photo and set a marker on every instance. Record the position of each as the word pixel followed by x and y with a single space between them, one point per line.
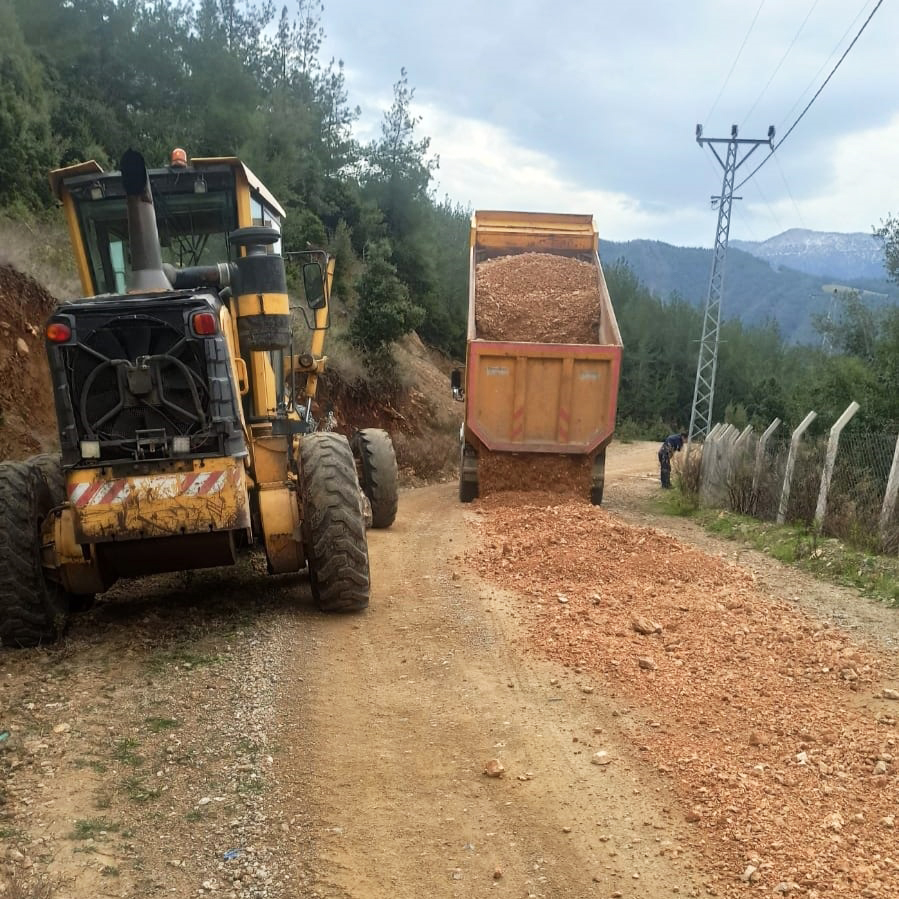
pixel 193 227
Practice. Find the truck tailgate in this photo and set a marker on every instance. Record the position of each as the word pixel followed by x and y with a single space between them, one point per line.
pixel 542 398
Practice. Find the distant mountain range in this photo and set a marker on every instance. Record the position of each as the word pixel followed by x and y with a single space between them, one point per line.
pixel 825 253
pixel 787 278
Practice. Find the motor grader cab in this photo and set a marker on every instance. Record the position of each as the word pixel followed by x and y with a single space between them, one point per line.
pixel 184 403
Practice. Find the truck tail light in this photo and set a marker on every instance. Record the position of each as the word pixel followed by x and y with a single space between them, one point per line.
pixel 58 332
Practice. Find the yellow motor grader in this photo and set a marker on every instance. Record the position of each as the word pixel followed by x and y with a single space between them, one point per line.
pixel 185 410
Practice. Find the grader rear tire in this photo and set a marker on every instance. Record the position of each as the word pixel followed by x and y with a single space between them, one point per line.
pixel 33 610
pixel 333 525
pixel 373 450
pixel 50 467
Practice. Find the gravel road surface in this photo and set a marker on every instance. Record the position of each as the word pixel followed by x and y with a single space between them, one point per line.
pixel 544 700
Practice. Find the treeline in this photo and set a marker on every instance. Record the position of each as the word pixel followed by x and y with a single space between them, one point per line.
pixel 88 79
pixel 760 376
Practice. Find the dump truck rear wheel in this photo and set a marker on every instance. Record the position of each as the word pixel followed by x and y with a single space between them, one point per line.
pixel 468 473
pixel 373 450
pixel 33 610
pixel 333 525
pixel 598 478
pixel 468 490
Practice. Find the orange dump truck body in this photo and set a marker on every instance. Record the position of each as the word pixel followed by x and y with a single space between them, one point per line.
pixel 538 397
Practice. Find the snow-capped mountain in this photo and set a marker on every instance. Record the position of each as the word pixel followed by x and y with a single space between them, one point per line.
pixel 825 253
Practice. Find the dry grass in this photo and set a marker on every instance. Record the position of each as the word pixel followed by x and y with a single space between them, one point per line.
pixel 15 889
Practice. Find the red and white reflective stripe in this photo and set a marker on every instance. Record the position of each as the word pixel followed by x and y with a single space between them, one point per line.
pixel 104 493
pixel 203 483
pixel 100 493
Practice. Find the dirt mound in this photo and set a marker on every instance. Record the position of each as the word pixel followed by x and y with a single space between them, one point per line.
pixel 27 419
pixel 537 297
pixel 419 414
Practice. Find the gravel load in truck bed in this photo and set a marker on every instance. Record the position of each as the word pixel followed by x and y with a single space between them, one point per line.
pixel 537 297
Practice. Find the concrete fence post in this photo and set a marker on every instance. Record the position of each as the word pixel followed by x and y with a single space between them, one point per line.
pixel 709 461
pixel 731 450
pixel 889 499
pixel 791 462
pixel 760 454
pixel 742 443
pixel 833 443
pixel 724 447
pixel 705 461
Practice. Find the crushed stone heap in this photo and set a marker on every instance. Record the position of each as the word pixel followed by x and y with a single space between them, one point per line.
pixel 537 297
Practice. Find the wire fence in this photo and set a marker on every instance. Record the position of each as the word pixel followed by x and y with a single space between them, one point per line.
pixel 786 479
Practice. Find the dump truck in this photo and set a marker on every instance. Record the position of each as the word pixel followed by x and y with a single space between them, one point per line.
pixel 184 403
pixel 543 353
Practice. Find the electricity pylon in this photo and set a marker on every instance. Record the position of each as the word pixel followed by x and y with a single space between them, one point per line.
pixel 707 365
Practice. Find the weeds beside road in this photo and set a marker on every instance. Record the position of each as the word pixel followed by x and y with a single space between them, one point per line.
pixel 826 558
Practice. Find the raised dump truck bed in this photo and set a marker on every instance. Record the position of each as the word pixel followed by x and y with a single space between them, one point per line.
pixel 544 349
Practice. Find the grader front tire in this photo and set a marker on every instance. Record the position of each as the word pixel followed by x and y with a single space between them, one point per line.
pixel 33 610
pixel 333 525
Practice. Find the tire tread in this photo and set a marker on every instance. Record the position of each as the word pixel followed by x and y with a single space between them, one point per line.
pixel 334 529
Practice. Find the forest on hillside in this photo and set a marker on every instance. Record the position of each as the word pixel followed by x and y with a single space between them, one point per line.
pixel 89 79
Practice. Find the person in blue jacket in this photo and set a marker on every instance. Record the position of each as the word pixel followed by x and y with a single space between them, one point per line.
pixel 672 444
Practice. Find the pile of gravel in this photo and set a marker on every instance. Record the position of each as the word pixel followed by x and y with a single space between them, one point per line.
pixel 537 297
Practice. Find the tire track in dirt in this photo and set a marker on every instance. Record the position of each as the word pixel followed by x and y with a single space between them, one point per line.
pixel 401 710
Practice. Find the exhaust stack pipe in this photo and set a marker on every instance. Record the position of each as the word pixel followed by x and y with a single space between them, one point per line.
pixel 146 257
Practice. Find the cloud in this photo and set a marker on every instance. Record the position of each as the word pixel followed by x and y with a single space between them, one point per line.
pixel 853 195
pixel 595 105
pixel 482 166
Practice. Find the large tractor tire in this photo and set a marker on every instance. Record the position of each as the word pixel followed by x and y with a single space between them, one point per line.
pixel 373 450
pixel 50 467
pixel 333 524
pixel 33 610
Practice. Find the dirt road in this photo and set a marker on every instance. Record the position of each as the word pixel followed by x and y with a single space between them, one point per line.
pixel 214 735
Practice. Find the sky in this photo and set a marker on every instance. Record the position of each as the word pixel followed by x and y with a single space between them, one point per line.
pixel 592 107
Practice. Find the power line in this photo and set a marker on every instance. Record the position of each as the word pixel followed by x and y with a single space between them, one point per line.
pixel 771 211
pixel 736 60
pixel 815 97
pixel 782 61
pixel 789 192
pixel 824 64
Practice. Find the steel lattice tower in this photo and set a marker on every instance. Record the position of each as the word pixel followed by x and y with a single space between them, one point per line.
pixel 707 365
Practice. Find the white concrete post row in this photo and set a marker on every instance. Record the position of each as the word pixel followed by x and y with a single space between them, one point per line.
pixel 791 462
pixel 832 443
